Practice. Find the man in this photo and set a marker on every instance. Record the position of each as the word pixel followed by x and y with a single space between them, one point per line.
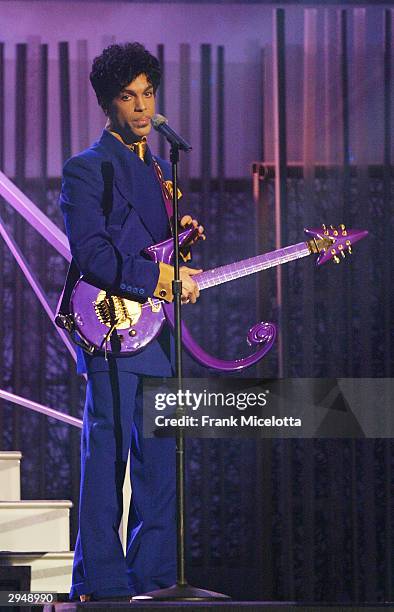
pixel 113 207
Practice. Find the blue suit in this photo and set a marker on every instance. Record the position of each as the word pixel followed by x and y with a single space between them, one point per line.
pixel 113 208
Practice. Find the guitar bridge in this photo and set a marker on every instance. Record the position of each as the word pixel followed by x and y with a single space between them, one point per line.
pixel 110 310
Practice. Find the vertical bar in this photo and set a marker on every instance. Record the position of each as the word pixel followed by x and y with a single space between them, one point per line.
pixel 205 119
pixel 20 172
pixel 345 110
pixel 354 508
pixel 220 160
pixel 206 157
pixel 286 509
pixel 2 248
pixel 346 278
pixel 36 119
pixel 43 326
pixel 263 216
pixel 220 109
pixel 65 102
pixel 279 73
pixel 161 97
pixel 309 161
pixel 388 297
pixel 387 195
pixel 280 141
pixel 33 108
pixel 309 492
pixel 2 102
pixel 265 516
pixel 185 115
pixel 205 169
pixel 333 156
pixel 82 94
pixel 361 151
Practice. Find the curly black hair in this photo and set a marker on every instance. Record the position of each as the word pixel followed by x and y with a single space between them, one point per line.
pixel 117 66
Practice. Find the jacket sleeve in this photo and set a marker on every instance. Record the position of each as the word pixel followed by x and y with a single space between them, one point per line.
pixel 91 245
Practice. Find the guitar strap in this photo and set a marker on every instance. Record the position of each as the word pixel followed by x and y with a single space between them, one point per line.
pixel 166 190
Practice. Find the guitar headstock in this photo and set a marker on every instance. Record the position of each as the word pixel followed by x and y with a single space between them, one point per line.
pixel 333 242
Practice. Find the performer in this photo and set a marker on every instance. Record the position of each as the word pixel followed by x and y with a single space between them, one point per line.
pixel 113 207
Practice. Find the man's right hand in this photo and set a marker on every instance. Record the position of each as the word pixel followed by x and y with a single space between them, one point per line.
pixel 190 290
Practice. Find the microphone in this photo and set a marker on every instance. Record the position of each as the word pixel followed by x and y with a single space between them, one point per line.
pixel 160 123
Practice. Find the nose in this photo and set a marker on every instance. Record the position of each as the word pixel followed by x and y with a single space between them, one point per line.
pixel 139 103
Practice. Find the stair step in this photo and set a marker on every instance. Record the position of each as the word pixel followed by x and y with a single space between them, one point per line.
pixel 35 525
pixel 10 482
pixel 50 571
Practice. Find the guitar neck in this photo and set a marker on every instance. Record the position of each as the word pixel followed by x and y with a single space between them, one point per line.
pixel 229 272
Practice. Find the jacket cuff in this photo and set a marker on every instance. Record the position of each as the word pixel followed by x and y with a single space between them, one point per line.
pixel 164 284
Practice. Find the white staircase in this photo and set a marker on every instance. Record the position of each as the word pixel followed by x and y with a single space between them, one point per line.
pixel 34 532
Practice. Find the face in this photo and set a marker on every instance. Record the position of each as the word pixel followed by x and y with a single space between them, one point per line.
pixel 131 111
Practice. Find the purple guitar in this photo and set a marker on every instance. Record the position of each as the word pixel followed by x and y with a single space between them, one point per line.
pixel 122 326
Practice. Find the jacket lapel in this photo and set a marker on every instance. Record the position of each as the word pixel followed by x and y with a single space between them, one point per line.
pixel 136 183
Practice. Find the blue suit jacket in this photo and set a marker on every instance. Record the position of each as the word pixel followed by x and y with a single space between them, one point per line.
pixel 113 208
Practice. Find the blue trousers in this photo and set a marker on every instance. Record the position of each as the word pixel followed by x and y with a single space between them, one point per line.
pixel 112 424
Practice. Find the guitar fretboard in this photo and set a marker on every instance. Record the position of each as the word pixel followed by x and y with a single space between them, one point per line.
pixel 223 274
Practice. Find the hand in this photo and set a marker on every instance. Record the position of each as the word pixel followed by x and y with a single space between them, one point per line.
pixel 188 220
pixel 190 290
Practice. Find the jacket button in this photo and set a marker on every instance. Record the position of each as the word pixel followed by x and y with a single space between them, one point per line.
pixel 135 289
pixel 123 286
pixel 141 291
pixel 129 288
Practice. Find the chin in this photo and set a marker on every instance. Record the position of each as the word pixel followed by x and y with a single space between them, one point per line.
pixel 144 131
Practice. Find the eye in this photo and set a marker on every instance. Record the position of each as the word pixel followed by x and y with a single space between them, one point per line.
pixel 149 94
pixel 126 97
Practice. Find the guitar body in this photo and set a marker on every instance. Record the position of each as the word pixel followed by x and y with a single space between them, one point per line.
pixel 95 312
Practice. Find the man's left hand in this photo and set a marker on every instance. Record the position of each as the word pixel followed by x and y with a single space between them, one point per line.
pixel 188 221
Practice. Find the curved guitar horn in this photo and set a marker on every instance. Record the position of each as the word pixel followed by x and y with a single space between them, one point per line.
pixel 262 334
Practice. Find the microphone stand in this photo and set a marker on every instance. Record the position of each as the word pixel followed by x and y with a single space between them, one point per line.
pixel 180 591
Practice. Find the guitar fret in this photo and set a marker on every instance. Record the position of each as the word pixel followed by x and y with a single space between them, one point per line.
pixel 252 265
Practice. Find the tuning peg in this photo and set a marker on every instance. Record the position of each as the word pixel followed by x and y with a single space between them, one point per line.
pixel 336 259
pixel 343 229
pixel 343 254
pixel 323 226
pixel 349 250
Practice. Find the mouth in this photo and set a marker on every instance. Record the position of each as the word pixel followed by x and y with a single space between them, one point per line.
pixel 140 123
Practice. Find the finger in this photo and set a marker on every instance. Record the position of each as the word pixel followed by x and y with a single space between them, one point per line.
pixel 193 271
pixel 186 219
